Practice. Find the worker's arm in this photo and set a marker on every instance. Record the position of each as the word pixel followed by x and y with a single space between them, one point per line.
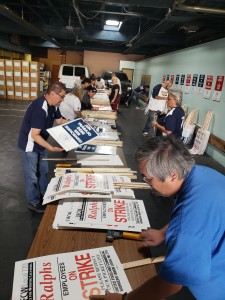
pixel 153 289
pixel 79 114
pixel 61 121
pixel 153 237
pixel 161 128
pixel 35 135
pixel 160 98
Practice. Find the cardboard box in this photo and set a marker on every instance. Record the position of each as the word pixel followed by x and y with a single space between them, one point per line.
pixel 18 95
pixel 34 66
pixel 34 95
pixel 2 64
pixel 26 95
pixel 17 75
pixel 35 76
pixel 34 84
pixel 25 66
pixel 2 94
pixel 2 74
pixel 10 95
pixel 17 65
pixel 9 65
pixel 9 85
pixel 26 84
pixel 9 74
pixel 25 76
pixel 2 83
pixel 17 83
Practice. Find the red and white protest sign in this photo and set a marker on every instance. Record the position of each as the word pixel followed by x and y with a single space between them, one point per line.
pixel 208 86
pixel 218 88
pixel 187 83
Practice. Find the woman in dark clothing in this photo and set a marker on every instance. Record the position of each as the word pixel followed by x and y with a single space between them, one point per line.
pixel 114 97
pixel 173 121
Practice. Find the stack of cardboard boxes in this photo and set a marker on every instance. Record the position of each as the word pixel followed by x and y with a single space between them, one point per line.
pixel 2 79
pixel 19 80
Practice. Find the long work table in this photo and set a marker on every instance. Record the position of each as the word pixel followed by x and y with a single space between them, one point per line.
pixel 51 241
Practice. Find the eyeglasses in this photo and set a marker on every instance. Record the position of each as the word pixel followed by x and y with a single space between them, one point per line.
pixel 147 180
pixel 61 96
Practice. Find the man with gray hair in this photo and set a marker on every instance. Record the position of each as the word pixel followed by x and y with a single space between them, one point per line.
pixel 195 239
pixel 173 122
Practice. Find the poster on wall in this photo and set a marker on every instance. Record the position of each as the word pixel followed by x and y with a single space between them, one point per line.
pixel 201 83
pixel 164 78
pixel 218 88
pixel 167 77
pixel 208 87
pixel 187 84
pixel 182 80
pixel 194 83
pixel 172 78
pixel 177 80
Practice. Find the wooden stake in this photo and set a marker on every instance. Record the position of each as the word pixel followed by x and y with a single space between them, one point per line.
pixel 143 262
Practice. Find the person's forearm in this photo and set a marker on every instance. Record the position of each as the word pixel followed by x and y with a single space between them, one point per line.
pixel 154 289
pixel 163 129
pixel 79 114
pixel 160 98
pixel 40 141
pixel 61 121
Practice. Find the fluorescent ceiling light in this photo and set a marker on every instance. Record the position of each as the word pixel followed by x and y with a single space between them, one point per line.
pixel 112 25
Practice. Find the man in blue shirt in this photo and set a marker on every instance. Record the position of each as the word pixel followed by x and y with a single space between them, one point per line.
pixel 33 145
pixel 195 235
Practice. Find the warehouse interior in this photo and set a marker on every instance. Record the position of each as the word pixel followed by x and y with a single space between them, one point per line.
pixel 67 30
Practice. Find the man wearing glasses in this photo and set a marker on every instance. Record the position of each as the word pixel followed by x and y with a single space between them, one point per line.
pixel 195 235
pixel 33 145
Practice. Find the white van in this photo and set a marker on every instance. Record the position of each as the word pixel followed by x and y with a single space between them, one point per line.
pixel 70 74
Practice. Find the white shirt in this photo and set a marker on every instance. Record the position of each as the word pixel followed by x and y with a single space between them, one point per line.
pixel 69 105
pixel 100 84
pixel 156 104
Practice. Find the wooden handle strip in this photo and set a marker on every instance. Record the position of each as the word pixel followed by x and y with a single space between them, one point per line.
pixel 143 262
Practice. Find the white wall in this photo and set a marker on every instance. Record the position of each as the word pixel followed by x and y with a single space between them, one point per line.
pixel 208 59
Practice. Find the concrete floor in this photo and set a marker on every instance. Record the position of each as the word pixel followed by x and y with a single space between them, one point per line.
pixel 18 225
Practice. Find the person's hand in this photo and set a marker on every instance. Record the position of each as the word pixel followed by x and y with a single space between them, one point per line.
pixel 152 237
pixel 154 123
pixel 56 149
pixel 107 296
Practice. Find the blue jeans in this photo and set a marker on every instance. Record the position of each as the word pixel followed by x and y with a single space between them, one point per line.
pixel 148 125
pixel 35 175
pixel 133 94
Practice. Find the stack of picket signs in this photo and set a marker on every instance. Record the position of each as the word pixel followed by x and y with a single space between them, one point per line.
pixel 67 275
pixel 96 201
pixel 94 196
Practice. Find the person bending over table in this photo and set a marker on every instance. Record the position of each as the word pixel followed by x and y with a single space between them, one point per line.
pixel 195 238
pixel 33 145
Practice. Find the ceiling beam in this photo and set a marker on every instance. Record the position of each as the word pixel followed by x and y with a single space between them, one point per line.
pixel 143 3
pixel 5 11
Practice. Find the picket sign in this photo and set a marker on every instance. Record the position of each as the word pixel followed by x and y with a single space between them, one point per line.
pixel 200 143
pixel 202 136
pixel 189 126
